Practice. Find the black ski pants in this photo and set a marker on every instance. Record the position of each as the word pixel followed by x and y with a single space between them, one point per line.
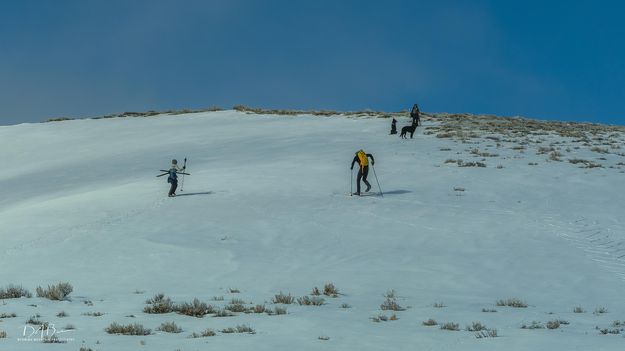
pixel 362 174
pixel 174 186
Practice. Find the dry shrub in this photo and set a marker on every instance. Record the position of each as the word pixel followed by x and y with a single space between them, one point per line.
pixel 430 323
pixel 450 326
pixel 169 327
pixel 55 292
pixel 330 290
pixel 534 325
pixel 513 302
pixel 284 299
pixel 310 301
pixel 239 329
pixel 130 329
pixel 476 327
pixel 205 333
pixel 159 304
pixel 196 308
pixel 490 333
pixel 391 304
pixel 14 292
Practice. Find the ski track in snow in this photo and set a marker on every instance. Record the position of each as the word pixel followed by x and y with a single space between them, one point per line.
pixel 71 232
pixel 599 242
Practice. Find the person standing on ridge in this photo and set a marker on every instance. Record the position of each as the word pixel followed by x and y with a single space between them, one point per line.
pixel 173 177
pixel 415 115
pixel 363 161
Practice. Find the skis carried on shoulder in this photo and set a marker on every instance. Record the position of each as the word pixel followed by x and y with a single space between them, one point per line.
pixel 167 172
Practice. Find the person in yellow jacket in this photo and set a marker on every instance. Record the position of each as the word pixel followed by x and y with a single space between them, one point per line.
pixel 362 159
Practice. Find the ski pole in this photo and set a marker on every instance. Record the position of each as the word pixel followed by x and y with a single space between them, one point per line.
pixel 185 168
pixel 376 180
pixel 351 182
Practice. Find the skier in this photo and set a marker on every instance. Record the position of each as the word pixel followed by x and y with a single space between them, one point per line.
pixel 173 177
pixel 414 114
pixel 363 161
pixel 394 126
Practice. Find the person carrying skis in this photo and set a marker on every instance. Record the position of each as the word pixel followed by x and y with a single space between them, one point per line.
pixel 173 177
pixel 363 161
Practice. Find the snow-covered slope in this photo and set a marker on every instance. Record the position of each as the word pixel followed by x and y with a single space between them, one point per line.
pixel 266 210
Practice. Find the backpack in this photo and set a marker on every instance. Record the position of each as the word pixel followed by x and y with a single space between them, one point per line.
pixel 172 176
pixel 362 156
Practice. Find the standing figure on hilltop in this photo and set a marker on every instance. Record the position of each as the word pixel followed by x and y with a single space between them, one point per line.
pixel 173 177
pixel 415 115
pixel 363 161
pixel 394 126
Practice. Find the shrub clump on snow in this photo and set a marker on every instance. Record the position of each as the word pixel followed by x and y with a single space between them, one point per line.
pixel 276 311
pixel 284 299
pixel 534 325
pixel 3 334
pixel 512 303
pixel 239 329
pixel 488 333
pixel 311 301
pixel 430 322
pixel 130 329
pixel 330 290
pixel 390 304
pixel 195 309
pixel 579 309
pixel 14 292
pixel 556 323
pixel 55 292
pixel 169 327
pixel 476 327
pixel 600 310
pixel 159 304
pixel 205 333
pixel 450 326
pixel 52 340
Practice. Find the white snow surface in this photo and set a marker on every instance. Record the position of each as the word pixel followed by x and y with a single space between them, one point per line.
pixel 266 210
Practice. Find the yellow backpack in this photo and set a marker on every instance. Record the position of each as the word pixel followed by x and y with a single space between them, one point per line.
pixel 364 160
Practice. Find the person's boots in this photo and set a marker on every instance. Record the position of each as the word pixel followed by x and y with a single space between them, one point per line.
pixel 368 188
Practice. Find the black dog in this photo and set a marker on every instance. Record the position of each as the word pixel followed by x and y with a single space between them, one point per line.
pixel 408 129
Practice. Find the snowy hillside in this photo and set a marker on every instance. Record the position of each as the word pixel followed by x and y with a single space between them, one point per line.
pixel 266 211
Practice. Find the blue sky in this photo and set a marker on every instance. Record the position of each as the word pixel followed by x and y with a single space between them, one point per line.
pixel 541 59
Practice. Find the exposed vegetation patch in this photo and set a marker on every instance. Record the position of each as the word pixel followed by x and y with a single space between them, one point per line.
pixel 533 325
pixel 14 292
pixel 169 327
pixel 239 329
pixel 204 334
pixel 195 308
pixel 130 329
pixel 450 326
pixel 57 292
pixel 489 333
pixel 513 302
pixel 159 304
pixel 430 323
pixel 282 298
pixel 311 301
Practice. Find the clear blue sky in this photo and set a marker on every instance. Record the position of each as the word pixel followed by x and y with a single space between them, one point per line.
pixel 541 59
